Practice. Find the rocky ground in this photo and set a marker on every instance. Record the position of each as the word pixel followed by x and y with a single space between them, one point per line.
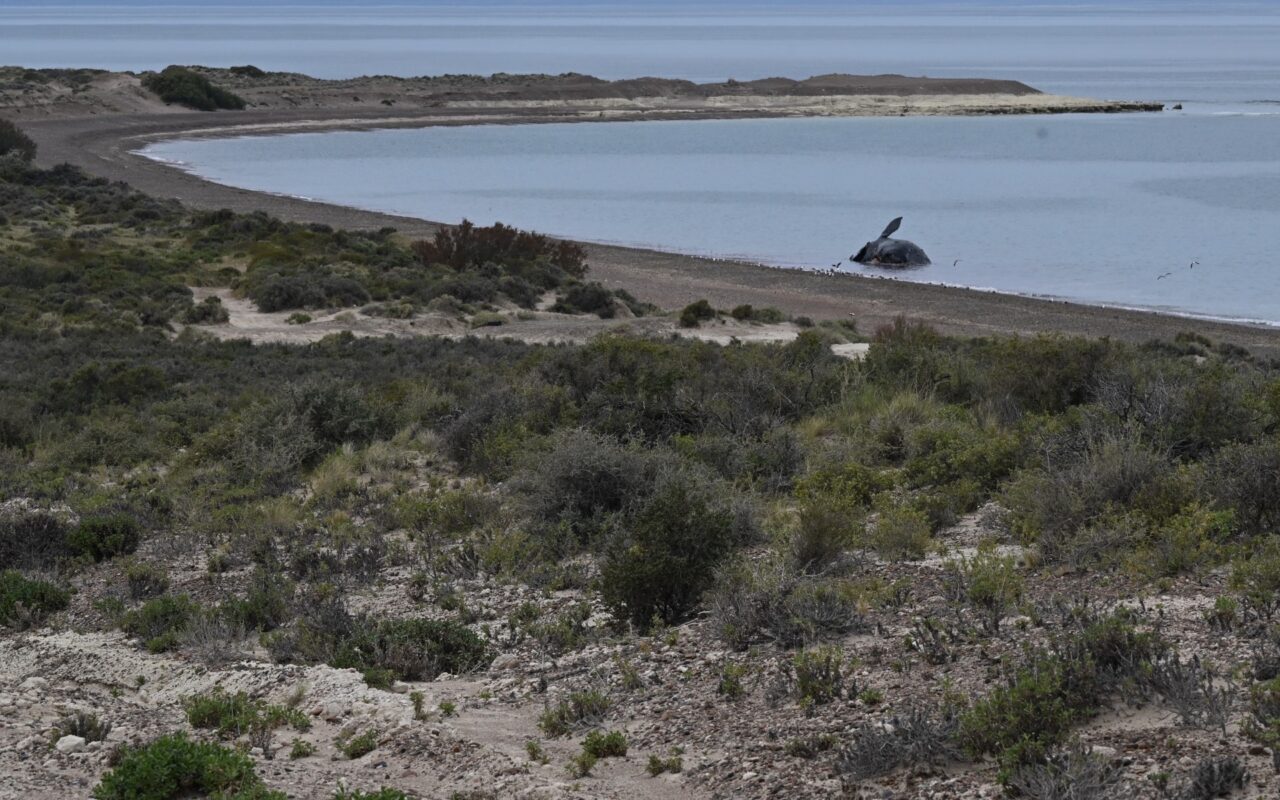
pixel 667 691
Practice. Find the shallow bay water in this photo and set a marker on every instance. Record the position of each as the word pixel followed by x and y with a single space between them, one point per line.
pixel 1100 208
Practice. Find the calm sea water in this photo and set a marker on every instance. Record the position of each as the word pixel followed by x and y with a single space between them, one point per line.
pixel 1092 208
pixel 1211 51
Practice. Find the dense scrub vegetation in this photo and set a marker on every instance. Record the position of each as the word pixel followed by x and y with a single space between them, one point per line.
pixel 82 253
pixel 660 478
pixel 188 88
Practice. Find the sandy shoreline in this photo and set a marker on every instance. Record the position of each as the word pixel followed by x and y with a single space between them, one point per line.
pixel 104 145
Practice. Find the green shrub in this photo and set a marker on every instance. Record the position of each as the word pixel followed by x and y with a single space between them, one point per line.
pixel 990 582
pixel 658 765
pixel 466 246
pixel 384 793
pixel 600 744
pixel 414 649
pixel 586 298
pixel 665 557
pixel 820 675
pixel 233 715
pixel 173 767
pixel 160 622
pixel 13 140
pixel 578 709
pixel 145 579
pixel 360 745
pixel 301 748
pixel 180 85
pixel 580 766
pixel 1263 723
pixel 83 724
pixel 25 602
pixel 105 536
pixel 696 313
pixel 35 540
pixel 209 311
pixel 1257 579
pixel 900 534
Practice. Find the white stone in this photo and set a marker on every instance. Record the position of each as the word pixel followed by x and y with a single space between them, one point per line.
pixel 34 682
pixel 70 744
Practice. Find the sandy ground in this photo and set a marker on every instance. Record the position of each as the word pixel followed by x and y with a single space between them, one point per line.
pixel 247 322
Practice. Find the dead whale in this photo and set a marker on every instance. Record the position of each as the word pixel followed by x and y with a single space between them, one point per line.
pixel 886 252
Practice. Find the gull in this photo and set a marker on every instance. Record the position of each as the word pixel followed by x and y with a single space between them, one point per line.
pixel 1162 277
pixel 1194 264
pixel 957 261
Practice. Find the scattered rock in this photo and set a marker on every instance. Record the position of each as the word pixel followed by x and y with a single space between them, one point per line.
pixel 70 744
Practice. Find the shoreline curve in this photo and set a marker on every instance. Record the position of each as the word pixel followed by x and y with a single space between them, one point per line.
pixel 107 145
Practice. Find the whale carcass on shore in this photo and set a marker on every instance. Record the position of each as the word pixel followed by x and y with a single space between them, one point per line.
pixel 886 252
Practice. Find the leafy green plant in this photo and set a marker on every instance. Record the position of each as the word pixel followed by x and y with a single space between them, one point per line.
pixel 359 745
pixel 696 313
pixel 580 766
pixel 301 748
pixel 601 744
pixel 233 715
pixel 658 764
pixel 990 582
pixel 13 140
pixel 160 622
pixel 820 675
pixel 578 709
pixel 174 767
pixel 24 602
pixel 385 793
pixel 105 536
pixel 185 87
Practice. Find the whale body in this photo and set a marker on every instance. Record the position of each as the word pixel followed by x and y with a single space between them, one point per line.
pixel 886 252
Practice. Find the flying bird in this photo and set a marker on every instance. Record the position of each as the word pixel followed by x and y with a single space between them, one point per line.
pixel 957 261
pixel 1194 264
pixel 1162 277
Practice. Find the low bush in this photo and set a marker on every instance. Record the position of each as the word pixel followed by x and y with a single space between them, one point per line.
pixel 359 745
pixel 696 313
pixel 601 744
pixel 31 540
pixel 83 724
pixel 174 767
pixel 145 580
pixel 918 737
pixel 188 88
pixel 900 534
pixel 988 581
pixel 105 536
pixel 209 311
pixel 235 715
pixel 14 141
pixel 579 709
pixel 586 298
pixel 384 793
pixel 25 602
pixel 665 557
pixel 159 623
pixel 467 246
pixel 1072 773
pixel 820 675
pixel 414 649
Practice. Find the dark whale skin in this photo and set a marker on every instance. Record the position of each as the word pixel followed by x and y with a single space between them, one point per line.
pixel 891 253
pixel 886 252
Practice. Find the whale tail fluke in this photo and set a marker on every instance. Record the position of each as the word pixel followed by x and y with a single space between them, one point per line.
pixel 891 228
